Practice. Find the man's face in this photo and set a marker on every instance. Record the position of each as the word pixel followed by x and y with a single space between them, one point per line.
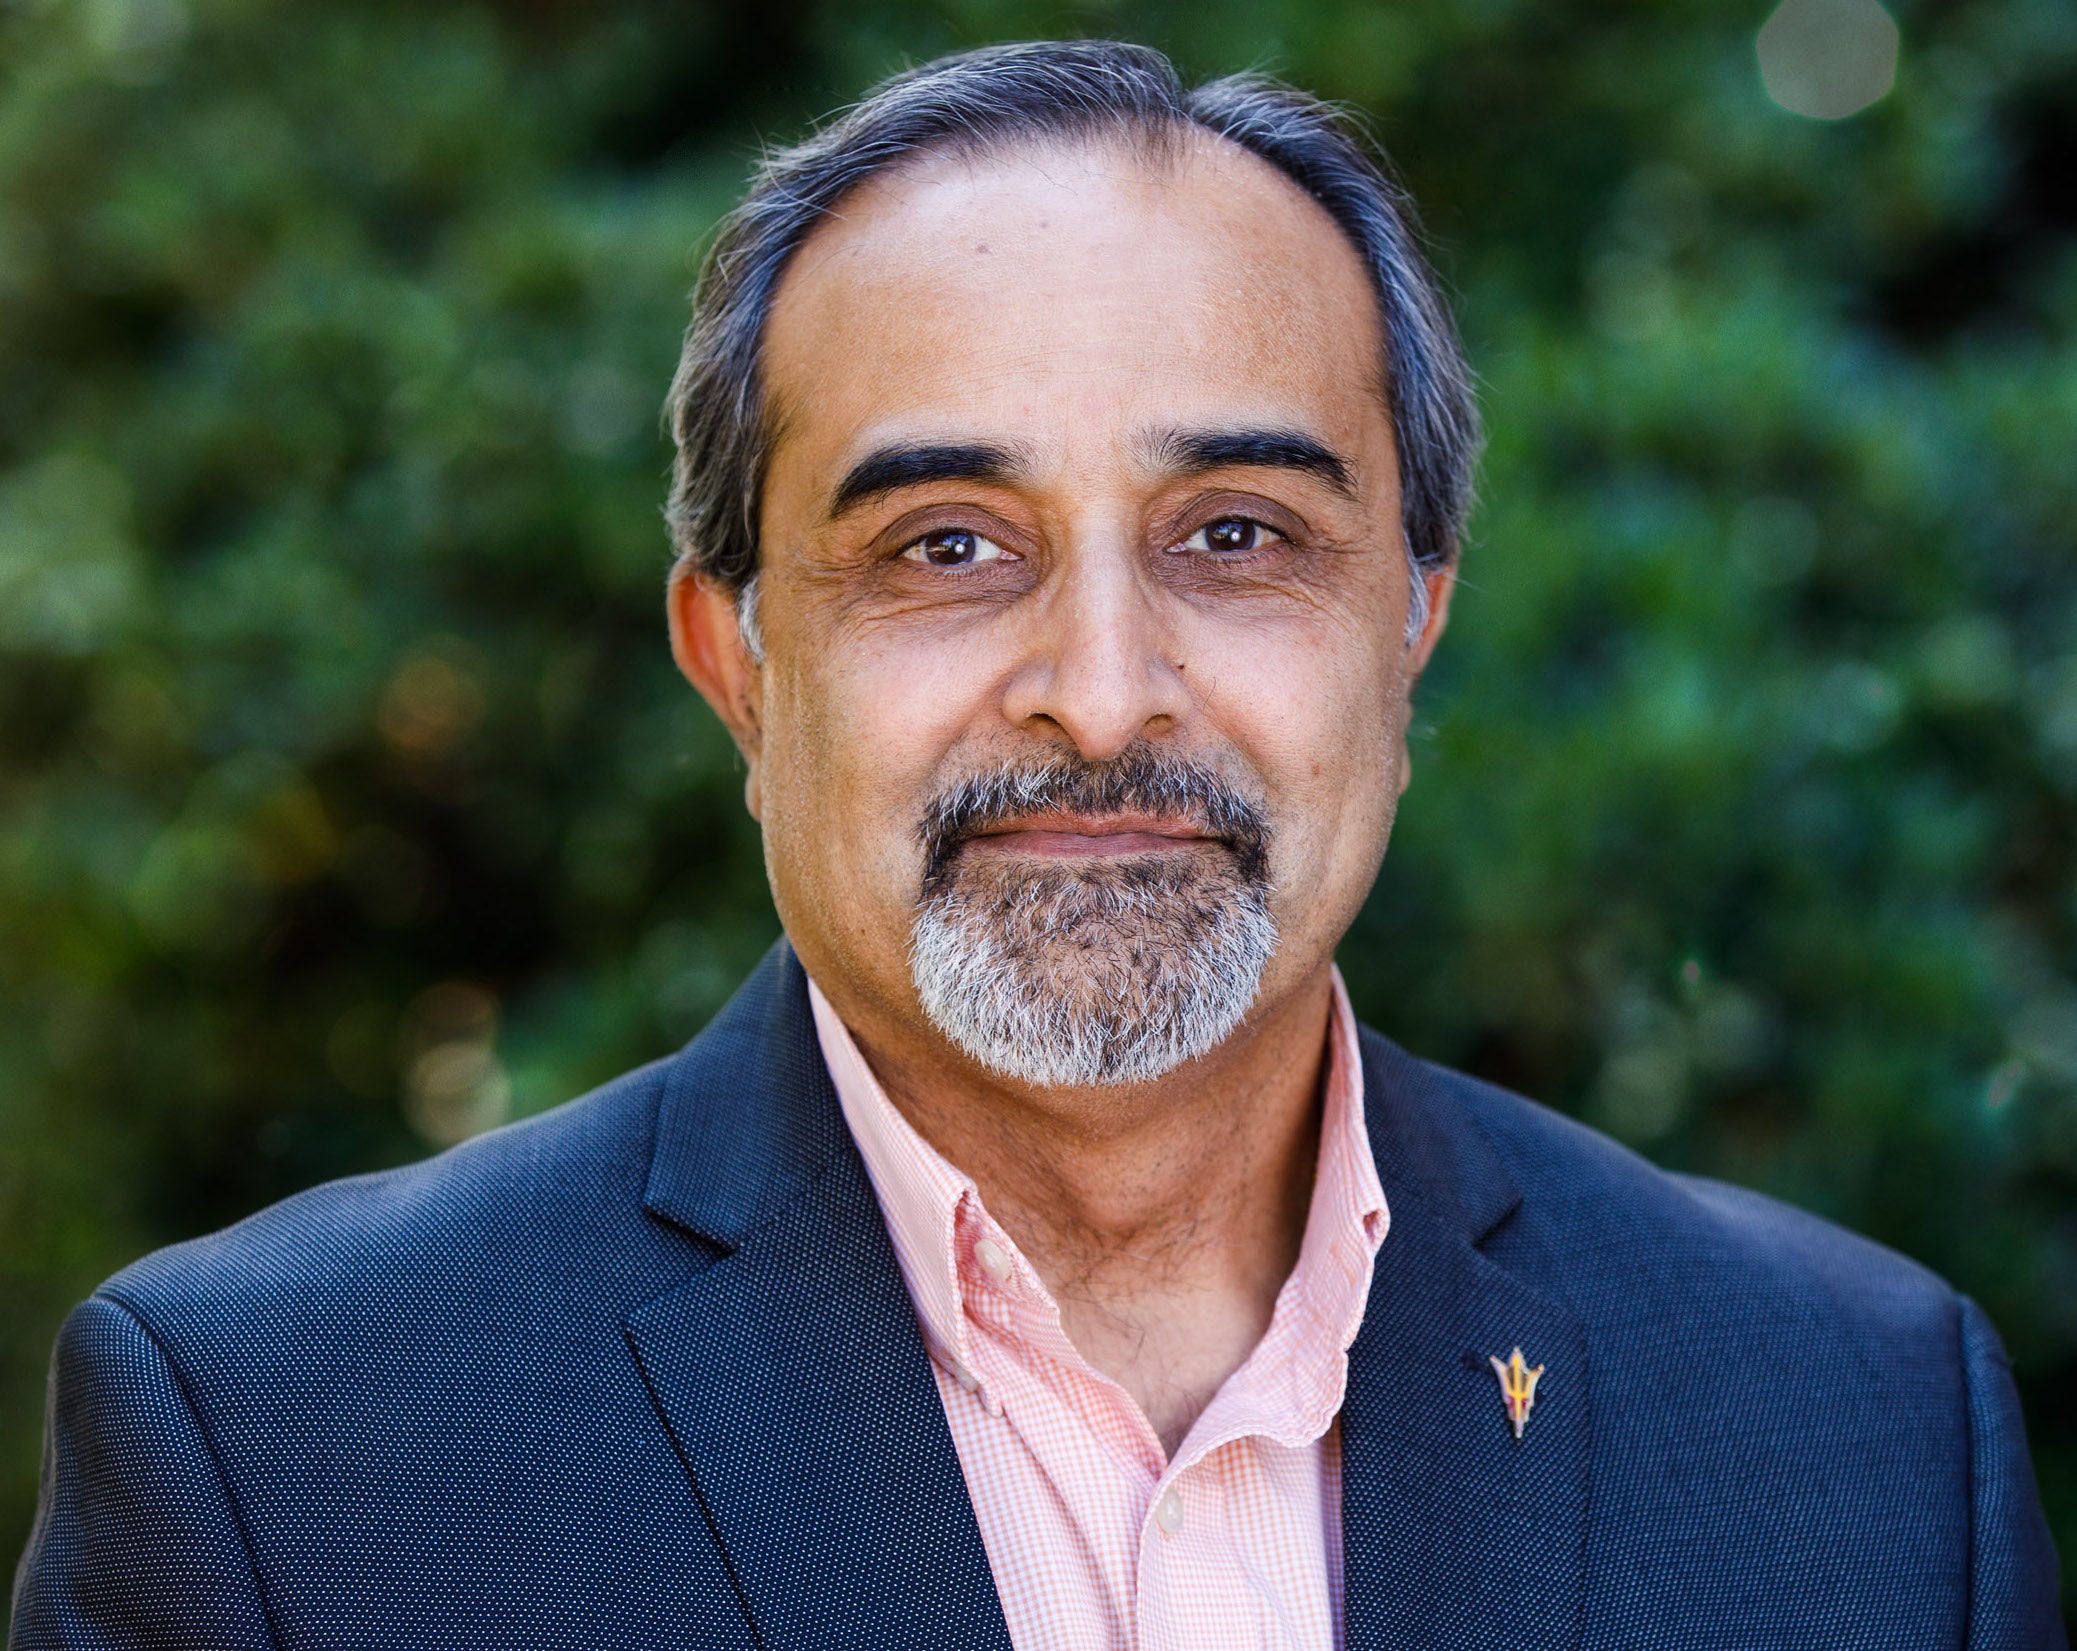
pixel 1083 593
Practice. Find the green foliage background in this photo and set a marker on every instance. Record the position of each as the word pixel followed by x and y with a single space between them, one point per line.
pixel 349 803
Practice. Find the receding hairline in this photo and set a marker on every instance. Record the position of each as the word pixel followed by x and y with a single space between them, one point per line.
pixel 1065 93
pixel 1161 147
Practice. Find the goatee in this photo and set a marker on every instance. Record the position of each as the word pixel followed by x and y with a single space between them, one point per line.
pixel 1089 971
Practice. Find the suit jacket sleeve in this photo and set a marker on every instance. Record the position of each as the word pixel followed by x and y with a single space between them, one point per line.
pixel 2012 1572
pixel 136 1541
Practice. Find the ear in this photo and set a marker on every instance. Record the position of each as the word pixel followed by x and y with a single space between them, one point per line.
pixel 1441 584
pixel 708 644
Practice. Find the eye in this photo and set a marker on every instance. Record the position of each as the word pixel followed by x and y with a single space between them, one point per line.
pixel 953 547
pixel 1230 536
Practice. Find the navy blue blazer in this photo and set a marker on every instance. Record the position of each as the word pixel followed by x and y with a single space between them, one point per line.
pixel 642 1372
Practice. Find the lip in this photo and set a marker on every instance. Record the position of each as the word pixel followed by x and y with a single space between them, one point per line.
pixel 1063 836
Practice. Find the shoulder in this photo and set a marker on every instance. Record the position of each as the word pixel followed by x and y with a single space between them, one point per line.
pixel 544 1233
pixel 553 1196
pixel 1624 1239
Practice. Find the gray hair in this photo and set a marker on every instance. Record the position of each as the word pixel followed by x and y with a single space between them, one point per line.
pixel 976 100
pixel 1057 975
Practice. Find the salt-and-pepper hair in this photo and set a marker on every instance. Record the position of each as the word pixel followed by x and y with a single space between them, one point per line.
pixel 997 96
pixel 1065 975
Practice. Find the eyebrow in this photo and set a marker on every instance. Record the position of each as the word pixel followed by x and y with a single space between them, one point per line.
pixel 1186 452
pixel 910 464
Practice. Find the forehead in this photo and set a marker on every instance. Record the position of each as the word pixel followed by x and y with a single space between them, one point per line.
pixel 1052 293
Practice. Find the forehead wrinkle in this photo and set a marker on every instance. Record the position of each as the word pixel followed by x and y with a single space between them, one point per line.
pixel 1004 360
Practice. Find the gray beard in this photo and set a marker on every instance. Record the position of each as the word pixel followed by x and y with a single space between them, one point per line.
pixel 1071 976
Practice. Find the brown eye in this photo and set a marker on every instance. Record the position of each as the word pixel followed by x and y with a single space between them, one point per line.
pixel 953 547
pixel 1229 536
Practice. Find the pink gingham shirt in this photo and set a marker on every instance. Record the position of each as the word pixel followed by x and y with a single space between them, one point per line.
pixel 1098 1541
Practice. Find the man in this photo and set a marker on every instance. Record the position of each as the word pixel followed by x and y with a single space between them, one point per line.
pixel 1036 1253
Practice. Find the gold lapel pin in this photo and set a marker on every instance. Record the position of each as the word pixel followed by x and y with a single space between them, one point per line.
pixel 1517 1387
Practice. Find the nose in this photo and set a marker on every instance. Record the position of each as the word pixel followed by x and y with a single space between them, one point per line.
pixel 1100 665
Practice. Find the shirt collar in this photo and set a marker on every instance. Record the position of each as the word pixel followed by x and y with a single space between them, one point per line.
pixel 919 1192
pixel 1299 1368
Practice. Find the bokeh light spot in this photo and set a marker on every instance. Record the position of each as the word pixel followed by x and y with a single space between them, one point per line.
pixel 433 700
pixel 1828 58
pixel 454 1084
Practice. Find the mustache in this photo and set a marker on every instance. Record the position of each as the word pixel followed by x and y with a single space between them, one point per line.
pixel 1140 780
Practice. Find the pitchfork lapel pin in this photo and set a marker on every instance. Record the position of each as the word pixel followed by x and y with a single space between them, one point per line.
pixel 1517 1387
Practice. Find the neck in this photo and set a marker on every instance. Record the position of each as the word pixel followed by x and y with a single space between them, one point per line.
pixel 1163 1217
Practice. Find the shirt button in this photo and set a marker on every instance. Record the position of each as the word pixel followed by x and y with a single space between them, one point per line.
pixel 994 1260
pixel 1168 1512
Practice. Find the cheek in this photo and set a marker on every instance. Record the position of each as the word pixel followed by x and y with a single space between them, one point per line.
pixel 1318 717
pixel 855 736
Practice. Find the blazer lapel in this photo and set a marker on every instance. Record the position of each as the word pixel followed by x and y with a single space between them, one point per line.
pixel 790 1371
pixel 1456 1533
pixel 793 1379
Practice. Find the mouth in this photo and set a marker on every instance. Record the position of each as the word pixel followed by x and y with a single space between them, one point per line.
pixel 1148 813
pixel 1088 836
